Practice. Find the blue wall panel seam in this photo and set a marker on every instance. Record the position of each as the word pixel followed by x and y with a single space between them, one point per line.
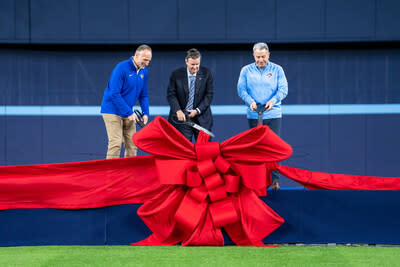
pixel 79 21
pixel 42 140
pixel 365 154
pixel 178 34
pixel 325 19
pixel 375 18
pixel 15 19
pixel 226 19
pixel 106 219
pixel 129 18
pixel 276 21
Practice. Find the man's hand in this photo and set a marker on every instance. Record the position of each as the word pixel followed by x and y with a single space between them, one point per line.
pixel 269 105
pixel 133 118
pixel 253 106
pixel 192 113
pixel 145 119
pixel 180 115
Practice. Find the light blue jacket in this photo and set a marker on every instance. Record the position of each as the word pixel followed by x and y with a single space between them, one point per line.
pixel 262 85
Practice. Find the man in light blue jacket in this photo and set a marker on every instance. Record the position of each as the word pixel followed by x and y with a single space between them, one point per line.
pixel 263 83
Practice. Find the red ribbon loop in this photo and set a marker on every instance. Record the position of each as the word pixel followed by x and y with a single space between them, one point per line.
pixel 217 193
pixel 206 167
pixel 199 193
pixel 213 181
pixel 222 165
pixel 189 213
pixel 223 213
pixel 193 178
pixel 231 183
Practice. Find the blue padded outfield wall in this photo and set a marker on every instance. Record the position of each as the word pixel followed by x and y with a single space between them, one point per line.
pixel 311 217
pixel 192 21
pixel 342 114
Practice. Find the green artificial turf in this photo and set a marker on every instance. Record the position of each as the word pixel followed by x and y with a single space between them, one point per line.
pixel 198 256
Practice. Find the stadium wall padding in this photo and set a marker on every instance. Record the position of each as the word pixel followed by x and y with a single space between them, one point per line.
pixel 359 144
pixel 311 217
pixel 191 21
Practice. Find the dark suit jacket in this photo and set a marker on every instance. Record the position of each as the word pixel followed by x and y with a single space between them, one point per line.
pixel 178 94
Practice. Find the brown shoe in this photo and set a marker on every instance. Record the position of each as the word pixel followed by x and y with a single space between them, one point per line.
pixel 275 185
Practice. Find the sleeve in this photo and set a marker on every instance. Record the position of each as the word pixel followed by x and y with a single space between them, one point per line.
pixel 144 95
pixel 242 88
pixel 209 94
pixel 115 85
pixel 282 87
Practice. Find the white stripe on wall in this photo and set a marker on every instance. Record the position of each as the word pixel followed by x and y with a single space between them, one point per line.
pixel 217 110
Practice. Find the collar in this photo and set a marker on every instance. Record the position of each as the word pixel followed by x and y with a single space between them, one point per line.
pixel 189 74
pixel 136 67
pixel 263 69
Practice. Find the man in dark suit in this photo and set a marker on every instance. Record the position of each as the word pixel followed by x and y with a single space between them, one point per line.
pixel 190 91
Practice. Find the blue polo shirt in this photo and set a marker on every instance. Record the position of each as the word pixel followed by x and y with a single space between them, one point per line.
pixel 126 86
pixel 262 85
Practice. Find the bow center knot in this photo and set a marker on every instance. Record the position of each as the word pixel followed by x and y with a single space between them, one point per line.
pixel 213 170
pixel 209 150
pixel 210 180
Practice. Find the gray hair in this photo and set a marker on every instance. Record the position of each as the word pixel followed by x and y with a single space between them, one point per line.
pixel 260 46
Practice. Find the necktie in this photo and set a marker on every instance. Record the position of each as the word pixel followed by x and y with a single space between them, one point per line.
pixel 191 93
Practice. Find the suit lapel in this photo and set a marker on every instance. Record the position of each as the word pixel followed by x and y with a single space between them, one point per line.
pixel 185 83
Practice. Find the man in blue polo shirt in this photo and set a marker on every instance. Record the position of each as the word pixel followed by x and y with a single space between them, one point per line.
pixel 263 82
pixel 128 83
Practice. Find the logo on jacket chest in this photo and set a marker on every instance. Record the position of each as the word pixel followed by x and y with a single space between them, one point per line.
pixel 141 75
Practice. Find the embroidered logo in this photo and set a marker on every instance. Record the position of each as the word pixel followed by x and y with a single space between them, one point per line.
pixel 130 75
pixel 141 76
pixel 269 75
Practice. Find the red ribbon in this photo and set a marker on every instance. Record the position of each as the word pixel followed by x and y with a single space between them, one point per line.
pixel 210 184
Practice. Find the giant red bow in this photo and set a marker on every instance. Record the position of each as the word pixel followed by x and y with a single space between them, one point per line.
pixel 209 185
pixel 189 191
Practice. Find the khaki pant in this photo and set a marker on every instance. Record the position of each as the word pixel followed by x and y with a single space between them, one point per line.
pixel 119 130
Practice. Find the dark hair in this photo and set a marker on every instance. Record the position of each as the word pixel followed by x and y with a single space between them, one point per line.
pixel 142 48
pixel 192 53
